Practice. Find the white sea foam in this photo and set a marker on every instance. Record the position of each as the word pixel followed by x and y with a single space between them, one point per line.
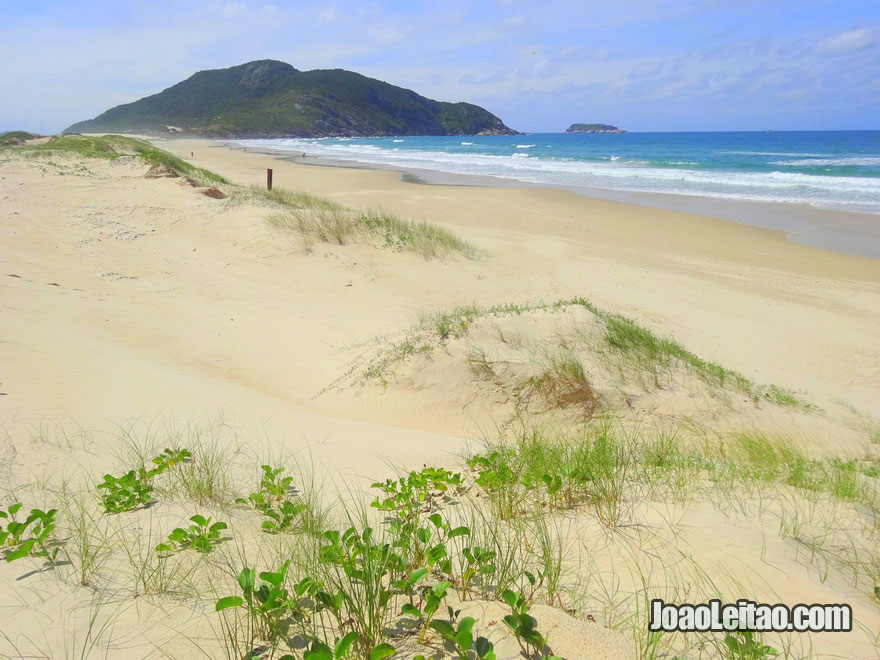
pixel 828 162
pixel 856 193
pixel 771 153
pixel 398 140
pixel 467 144
pixel 524 146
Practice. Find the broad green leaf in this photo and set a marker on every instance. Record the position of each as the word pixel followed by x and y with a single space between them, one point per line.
pixel 23 551
pixel 382 651
pixel 444 628
pixel 319 654
pixel 344 645
pixel 247 579
pixel 229 601
pixel 272 578
pixel 410 610
pixel 483 648
pixel 417 575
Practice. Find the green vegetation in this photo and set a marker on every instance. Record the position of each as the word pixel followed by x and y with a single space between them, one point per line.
pixel 12 138
pixel 458 634
pixel 648 354
pixel 744 645
pixel 328 222
pixel 267 98
pixel 308 215
pixel 31 537
pixel 131 490
pixel 201 536
pixel 112 147
pixel 628 349
pixel 532 643
pixel 394 578
pixel 597 467
pixel 282 509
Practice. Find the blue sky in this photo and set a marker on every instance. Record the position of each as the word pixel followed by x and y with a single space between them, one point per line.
pixel 644 65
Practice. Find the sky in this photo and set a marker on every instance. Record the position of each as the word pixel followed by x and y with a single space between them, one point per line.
pixel 643 65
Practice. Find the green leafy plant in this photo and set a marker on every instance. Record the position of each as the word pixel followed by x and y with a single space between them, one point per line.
pixel 409 495
pixel 461 637
pixel 743 645
pixel 382 651
pixel 358 570
pixel 169 458
pixel 431 599
pixel 271 499
pixel 497 477
pixel 30 537
pixel 423 541
pixel 321 651
pixel 201 536
pixel 478 563
pixel 406 586
pixel 281 518
pixel 523 627
pixel 273 489
pixel 132 489
pixel 273 486
pixel 268 605
pixel 341 649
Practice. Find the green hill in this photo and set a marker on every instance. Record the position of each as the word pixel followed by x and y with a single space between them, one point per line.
pixel 268 98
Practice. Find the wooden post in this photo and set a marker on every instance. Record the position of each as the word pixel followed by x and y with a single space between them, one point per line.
pixel 269 179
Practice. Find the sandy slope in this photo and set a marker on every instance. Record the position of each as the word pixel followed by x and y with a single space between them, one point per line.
pixel 122 298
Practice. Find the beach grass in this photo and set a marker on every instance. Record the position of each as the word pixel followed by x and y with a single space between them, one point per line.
pixel 328 222
pixel 305 214
pixel 632 351
pixel 111 147
pixel 501 519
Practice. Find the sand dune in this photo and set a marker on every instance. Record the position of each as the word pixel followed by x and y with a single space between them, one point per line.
pixel 141 303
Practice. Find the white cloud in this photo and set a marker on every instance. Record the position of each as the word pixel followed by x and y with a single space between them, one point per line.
pixel 851 41
pixel 328 15
pixel 234 8
pixel 515 21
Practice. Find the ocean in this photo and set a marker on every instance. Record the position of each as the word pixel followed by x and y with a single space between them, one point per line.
pixel 826 169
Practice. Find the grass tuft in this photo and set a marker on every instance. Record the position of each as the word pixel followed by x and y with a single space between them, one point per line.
pixel 330 222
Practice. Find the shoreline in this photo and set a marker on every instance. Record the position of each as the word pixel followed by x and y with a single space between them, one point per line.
pixel 845 232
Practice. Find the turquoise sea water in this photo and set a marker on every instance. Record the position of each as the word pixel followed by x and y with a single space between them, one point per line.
pixel 826 169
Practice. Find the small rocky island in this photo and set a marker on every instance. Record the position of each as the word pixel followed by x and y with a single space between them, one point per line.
pixel 594 128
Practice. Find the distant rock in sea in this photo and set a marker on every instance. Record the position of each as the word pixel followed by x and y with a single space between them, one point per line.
pixel 594 128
